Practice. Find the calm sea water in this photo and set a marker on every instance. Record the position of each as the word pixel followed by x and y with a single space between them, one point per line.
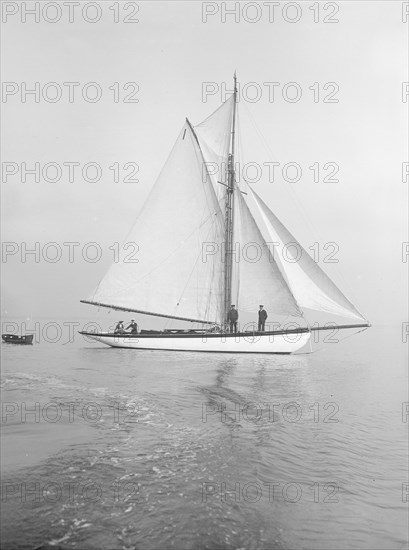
pixel 118 449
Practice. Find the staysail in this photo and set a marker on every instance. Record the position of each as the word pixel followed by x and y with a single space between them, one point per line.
pixel 256 276
pixel 311 287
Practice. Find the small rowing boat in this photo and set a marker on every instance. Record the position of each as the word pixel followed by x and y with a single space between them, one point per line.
pixel 26 339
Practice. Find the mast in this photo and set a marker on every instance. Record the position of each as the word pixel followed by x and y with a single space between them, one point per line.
pixel 229 216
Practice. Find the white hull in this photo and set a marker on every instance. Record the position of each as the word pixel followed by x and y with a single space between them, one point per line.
pixel 220 343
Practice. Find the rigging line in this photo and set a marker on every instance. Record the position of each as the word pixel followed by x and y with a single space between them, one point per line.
pixel 287 186
pixel 325 347
pixel 341 339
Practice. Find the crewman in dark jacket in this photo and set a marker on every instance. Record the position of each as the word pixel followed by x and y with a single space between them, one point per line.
pixel 262 316
pixel 133 326
pixel 232 317
pixel 119 329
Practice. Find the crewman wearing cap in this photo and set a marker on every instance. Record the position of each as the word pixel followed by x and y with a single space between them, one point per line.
pixel 262 316
pixel 133 326
pixel 119 327
pixel 232 317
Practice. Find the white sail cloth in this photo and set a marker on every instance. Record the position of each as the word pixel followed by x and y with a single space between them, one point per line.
pixel 256 276
pixel 311 287
pixel 177 273
pixel 180 235
pixel 214 135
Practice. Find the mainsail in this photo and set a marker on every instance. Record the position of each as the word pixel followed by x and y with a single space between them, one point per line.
pixel 174 275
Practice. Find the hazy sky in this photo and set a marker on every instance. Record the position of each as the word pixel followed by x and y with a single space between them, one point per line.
pixel 169 54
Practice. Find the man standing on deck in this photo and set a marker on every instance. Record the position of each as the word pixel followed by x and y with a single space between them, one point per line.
pixel 262 316
pixel 133 326
pixel 232 317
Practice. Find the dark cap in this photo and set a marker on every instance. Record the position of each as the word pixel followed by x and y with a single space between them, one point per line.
pixel 260 306
pixel 233 305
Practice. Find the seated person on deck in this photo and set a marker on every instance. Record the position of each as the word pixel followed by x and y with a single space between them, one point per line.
pixel 133 326
pixel 119 328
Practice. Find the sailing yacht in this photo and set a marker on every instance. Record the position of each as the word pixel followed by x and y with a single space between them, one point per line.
pixel 188 233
